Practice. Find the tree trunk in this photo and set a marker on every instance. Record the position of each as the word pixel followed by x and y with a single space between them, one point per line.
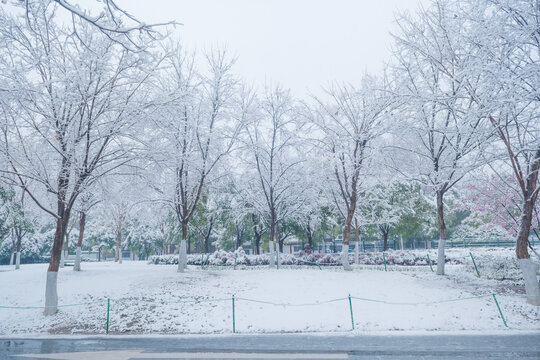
pixel 118 255
pixel 207 237
pixel 165 238
pixel 13 247
pixel 364 244
pixel 528 267
pixel 63 254
pixel 257 235
pixel 18 256
pixel 346 237
pixel 238 236
pixel 82 224
pixel 442 228
pixel 385 231
pixel 356 231
pixel 51 294
pixel 278 244
pixel 182 253
pixel 257 243
pixel 309 235
pixel 272 255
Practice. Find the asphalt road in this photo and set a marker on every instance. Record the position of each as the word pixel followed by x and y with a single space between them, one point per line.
pixel 286 346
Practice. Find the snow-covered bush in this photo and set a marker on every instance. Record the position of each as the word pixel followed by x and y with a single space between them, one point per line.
pixel 497 264
pixel 224 258
pixel 35 248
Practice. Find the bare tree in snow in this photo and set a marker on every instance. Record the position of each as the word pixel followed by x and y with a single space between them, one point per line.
pixel 439 125
pixel 198 126
pixel 349 122
pixel 272 182
pixel 70 121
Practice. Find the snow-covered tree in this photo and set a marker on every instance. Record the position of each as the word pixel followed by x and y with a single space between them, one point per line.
pixel 350 122
pixel 14 220
pixel 7 196
pixel 497 200
pixel 384 205
pixel 197 125
pixel 439 124
pixel 507 63
pixel 271 183
pixel 86 202
pixel 486 53
pixel 69 124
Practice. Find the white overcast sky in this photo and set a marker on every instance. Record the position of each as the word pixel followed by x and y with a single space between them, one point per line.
pixel 300 44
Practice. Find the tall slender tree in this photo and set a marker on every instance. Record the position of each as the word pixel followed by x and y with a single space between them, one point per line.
pixel 439 125
pixel 198 126
pixel 350 122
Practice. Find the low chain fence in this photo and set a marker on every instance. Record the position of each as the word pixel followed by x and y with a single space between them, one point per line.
pixel 234 301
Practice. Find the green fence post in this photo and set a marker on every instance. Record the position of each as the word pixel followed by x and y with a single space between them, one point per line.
pixel 235 256
pixel 429 261
pixel 384 259
pixel 475 267
pixel 108 308
pixel 233 316
pixel 350 307
pixel 277 259
pixel 498 307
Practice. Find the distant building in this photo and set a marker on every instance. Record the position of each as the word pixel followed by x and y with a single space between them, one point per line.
pixel 335 245
pixel 292 245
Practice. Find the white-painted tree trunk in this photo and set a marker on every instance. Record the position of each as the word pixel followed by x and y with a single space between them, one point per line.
pixel 441 257
pixel 345 257
pixel 62 256
pixel 12 258
pixel 357 252
pixel 18 260
pixel 182 256
pixel 120 256
pixel 375 246
pixel 51 296
pixel 401 242
pixel 529 268
pixel 77 266
pixel 271 255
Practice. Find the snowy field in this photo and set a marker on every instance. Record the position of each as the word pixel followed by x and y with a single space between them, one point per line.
pixel 151 299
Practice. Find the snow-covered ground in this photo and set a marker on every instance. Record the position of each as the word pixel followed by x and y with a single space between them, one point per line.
pixel 148 299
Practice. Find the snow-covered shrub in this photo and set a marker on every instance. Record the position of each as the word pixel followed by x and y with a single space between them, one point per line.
pixel 227 258
pixel 496 264
pixel 35 248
